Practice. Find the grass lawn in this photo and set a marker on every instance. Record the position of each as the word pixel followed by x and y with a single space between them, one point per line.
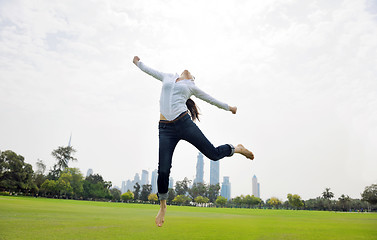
pixel 40 218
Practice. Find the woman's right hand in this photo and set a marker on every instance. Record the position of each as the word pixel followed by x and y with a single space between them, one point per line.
pixel 233 109
pixel 136 59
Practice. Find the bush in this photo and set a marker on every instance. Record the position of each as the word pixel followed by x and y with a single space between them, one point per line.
pixel 4 194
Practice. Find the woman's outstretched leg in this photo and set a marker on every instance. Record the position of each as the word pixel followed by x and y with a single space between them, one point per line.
pixel 160 218
pixel 242 150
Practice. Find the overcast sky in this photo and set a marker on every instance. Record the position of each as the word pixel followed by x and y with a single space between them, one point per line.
pixel 303 75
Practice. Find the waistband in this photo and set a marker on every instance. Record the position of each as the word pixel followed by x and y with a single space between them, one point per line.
pixel 176 119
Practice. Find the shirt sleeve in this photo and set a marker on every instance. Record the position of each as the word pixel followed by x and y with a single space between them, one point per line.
pixel 154 73
pixel 197 92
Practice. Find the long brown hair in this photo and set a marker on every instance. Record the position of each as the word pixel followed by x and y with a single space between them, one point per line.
pixel 193 109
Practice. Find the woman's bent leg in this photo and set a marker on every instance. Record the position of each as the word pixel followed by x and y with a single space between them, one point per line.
pixel 194 135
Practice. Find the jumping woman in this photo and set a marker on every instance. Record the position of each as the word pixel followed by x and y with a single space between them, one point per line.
pixel 175 124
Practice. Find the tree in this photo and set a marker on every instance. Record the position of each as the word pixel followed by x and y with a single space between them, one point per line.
pixel 62 155
pixel 295 200
pixel 181 187
pixel 370 194
pixel 200 199
pixel 198 189
pixel 15 174
pixel 127 196
pixel 327 194
pixel 213 192
pixel 181 199
pixel 94 187
pixel 63 188
pixel 48 187
pixel 115 194
pixel 75 179
pixel 137 191
pixel 153 197
pixel 171 196
pixel 273 201
pixel 343 201
pixel 146 190
pixel 41 167
pixel 221 201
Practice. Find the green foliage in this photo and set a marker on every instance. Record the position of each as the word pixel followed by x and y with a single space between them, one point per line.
pixel 127 196
pixel 94 187
pixel 181 200
pixel 146 190
pixel 200 199
pixel 63 155
pixel 370 194
pixel 137 191
pixel 153 197
pixel 275 202
pixel 181 187
pixel 115 194
pixel 15 174
pixel 295 200
pixel 221 201
pixel 171 196
pixel 327 194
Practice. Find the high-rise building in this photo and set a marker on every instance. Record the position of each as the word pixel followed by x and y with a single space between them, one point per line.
pixel 256 187
pixel 199 169
pixel 225 188
pixel 144 177
pixel 136 180
pixel 123 189
pixel 129 186
pixel 154 181
pixel 89 172
pixel 214 172
pixel 171 182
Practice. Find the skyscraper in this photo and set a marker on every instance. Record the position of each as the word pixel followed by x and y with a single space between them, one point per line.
pixel 199 169
pixel 225 188
pixel 123 189
pixel 256 186
pixel 154 181
pixel 136 180
pixel 144 177
pixel 129 186
pixel 89 172
pixel 171 182
pixel 214 172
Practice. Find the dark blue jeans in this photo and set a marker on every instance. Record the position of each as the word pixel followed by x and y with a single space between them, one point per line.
pixel 170 133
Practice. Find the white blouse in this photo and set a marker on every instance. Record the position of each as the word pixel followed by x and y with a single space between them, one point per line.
pixel 175 94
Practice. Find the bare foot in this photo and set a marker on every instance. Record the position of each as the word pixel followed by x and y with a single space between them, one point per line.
pixel 242 150
pixel 160 218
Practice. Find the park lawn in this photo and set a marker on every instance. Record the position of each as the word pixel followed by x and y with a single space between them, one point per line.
pixel 41 218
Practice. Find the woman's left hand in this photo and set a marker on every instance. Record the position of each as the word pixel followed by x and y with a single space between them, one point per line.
pixel 233 109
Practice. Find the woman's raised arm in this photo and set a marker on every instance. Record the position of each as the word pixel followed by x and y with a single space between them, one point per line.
pixel 154 73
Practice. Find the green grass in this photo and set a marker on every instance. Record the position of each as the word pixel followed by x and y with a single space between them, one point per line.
pixel 31 218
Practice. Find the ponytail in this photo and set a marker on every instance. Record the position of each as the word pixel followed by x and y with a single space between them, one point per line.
pixel 193 109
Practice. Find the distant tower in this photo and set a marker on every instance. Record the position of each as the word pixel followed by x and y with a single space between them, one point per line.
pixel 256 190
pixel 129 186
pixel 199 169
pixel 171 182
pixel 144 177
pixel 123 189
pixel 154 181
pixel 225 188
pixel 89 172
pixel 136 180
pixel 214 173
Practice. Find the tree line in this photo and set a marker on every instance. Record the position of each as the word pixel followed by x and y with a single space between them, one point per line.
pixel 61 181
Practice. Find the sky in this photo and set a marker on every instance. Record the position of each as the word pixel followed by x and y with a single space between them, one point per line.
pixel 303 75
